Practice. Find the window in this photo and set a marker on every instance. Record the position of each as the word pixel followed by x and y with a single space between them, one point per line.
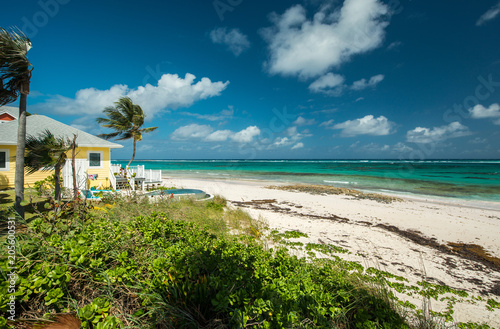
pixel 4 160
pixel 95 159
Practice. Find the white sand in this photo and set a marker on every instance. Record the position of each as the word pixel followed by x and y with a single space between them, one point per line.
pixel 445 221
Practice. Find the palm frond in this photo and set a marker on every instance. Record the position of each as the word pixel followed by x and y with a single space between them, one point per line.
pixel 45 151
pixel 126 119
pixel 110 135
pixel 148 130
pixel 15 69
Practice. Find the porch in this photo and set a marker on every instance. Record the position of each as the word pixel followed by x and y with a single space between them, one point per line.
pixel 118 178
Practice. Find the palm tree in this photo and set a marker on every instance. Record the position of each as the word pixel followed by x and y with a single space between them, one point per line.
pixel 47 152
pixel 126 119
pixel 15 76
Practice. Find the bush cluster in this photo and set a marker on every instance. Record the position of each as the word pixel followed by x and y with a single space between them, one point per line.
pixel 157 271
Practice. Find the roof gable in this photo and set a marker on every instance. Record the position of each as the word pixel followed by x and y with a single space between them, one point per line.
pixel 6 117
pixel 37 124
pixel 10 111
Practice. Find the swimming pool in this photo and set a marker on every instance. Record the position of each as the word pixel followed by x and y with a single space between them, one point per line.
pixel 184 192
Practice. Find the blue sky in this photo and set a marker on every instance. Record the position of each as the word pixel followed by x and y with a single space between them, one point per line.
pixel 274 79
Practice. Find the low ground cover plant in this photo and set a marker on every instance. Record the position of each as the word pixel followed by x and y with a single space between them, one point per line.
pixel 128 263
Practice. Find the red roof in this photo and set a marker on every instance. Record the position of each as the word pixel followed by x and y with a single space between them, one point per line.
pixel 6 117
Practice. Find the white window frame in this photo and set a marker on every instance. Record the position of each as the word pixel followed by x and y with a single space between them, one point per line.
pixel 7 160
pixel 102 159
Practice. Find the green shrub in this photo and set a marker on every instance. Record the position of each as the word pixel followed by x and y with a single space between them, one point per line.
pixel 163 273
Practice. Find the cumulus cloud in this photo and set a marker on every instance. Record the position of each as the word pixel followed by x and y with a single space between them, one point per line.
pixel 402 148
pixel 171 91
pixel 481 112
pixel 368 125
pixel 206 133
pixel 333 84
pixel 327 82
pixel 492 13
pixel 235 41
pixel 280 141
pixel 298 146
pixel 192 131
pixel 246 135
pixel 437 134
pixel 301 121
pixel 307 48
pixel 291 139
pixel 219 136
pixel 363 84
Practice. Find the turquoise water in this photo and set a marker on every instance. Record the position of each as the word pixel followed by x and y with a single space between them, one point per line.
pixel 176 192
pixel 466 179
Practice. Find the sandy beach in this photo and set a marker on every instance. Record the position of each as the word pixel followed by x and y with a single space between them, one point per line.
pixel 448 242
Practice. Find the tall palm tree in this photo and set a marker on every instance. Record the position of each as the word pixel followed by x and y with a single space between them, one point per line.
pixel 47 152
pixel 126 119
pixel 15 76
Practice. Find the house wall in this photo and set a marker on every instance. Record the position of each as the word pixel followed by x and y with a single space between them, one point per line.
pixel 7 177
pixel 102 172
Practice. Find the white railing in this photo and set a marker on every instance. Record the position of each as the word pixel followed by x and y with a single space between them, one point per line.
pixel 134 173
pixel 152 176
pixel 113 169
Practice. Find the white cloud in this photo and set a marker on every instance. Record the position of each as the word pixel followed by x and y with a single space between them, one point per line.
pixel 222 115
pixel 292 136
pixel 236 41
pixel 280 141
pixel 363 84
pixel 206 133
pixel 219 136
pixel 394 45
pixel 301 121
pixel 481 112
pixel 298 146
pixel 171 91
pixel 310 47
pixel 327 82
pixel 368 125
pixel 246 135
pixel 478 140
pixel 437 134
pixel 492 13
pixel 333 84
pixel 192 131
pixel 402 148
pixel 374 148
pixel 326 123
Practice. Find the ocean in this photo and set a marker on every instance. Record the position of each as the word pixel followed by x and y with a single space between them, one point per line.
pixel 463 179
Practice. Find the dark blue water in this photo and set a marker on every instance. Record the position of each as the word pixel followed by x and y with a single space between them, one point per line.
pixel 467 179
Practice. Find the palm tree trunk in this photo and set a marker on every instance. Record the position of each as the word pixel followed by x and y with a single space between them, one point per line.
pixel 57 181
pixel 21 143
pixel 133 155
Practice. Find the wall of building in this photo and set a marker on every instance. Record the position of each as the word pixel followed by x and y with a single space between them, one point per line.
pixel 102 172
pixel 7 175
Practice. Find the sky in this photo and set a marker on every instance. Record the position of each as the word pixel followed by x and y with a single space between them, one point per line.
pixel 302 79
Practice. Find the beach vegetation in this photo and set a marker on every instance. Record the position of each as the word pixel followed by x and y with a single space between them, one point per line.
pixel 191 264
pixel 126 119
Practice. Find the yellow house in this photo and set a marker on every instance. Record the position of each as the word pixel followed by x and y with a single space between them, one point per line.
pixel 93 153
